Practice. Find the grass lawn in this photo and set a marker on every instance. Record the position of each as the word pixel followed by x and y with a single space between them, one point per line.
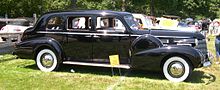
pixel 22 74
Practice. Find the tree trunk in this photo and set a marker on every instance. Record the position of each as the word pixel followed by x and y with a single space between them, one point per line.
pixel 152 13
pixel 123 5
pixel 73 4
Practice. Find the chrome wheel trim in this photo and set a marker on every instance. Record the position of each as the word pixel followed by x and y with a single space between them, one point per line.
pixel 176 69
pixel 46 60
pixel 172 77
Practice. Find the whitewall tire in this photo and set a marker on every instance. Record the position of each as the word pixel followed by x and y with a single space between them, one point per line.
pixel 177 69
pixel 46 60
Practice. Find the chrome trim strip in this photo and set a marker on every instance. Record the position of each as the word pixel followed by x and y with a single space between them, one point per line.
pixel 74 33
pixel 165 37
pixel 126 66
pixel 106 34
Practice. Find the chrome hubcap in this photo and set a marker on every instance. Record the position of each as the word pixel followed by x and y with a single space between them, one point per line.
pixel 176 69
pixel 47 60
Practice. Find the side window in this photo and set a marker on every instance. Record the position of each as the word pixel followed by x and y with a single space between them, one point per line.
pixel 79 23
pixel 55 23
pixel 109 24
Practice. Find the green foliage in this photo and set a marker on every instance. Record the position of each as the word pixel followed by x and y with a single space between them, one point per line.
pixel 18 8
pixel 22 8
pixel 187 8
pixel 49 5
pixel 138 6
pixel 99 4
pixel 183 8
pixel 201 7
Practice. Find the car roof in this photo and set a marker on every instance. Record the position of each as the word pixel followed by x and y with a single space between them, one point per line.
pixel 90 12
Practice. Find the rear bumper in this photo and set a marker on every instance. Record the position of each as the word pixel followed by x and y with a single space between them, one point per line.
pixel 24 53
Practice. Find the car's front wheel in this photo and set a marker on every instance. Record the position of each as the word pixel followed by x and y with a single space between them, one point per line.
pixel 177 69
pixel 47 60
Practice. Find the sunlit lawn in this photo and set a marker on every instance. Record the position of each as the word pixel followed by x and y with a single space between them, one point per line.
pixel 20 74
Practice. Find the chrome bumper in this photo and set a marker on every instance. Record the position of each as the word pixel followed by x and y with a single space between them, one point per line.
pixel 207 64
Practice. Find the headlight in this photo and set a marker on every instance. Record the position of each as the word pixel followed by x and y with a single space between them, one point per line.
pixel 196 42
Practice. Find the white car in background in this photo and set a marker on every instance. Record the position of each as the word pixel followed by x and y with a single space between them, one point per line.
pixel 144 21
pixel 15 26
pixel 162 23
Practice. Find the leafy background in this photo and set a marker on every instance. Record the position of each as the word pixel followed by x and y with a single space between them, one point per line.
pixel 184 8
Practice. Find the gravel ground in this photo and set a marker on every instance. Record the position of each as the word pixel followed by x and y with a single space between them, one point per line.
pixel 6 48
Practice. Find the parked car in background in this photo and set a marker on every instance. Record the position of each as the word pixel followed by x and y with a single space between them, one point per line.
pixel 144 21
pixel 195 25
pixel 18 25
pixel 58 38
pixel 2 23
pixel 184 27
pixel 167 22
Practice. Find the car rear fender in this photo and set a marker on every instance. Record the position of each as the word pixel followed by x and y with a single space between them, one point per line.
pixel 49 43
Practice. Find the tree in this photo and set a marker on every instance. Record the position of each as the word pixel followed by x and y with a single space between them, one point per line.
pixel 183 8
pixel 26 8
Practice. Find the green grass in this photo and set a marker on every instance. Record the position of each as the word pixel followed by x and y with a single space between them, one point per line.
pixel 23 74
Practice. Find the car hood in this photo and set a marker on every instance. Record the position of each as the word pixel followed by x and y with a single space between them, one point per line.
pixel 171 33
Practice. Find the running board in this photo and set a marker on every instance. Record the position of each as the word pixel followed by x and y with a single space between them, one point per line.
pixel 125 66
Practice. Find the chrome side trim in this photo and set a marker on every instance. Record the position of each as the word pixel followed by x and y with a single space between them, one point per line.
pixel 106 34
pixel 125 66
pixel 73 33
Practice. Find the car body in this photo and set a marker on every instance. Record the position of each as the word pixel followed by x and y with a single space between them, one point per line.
pixel 171 31
pixel 59 38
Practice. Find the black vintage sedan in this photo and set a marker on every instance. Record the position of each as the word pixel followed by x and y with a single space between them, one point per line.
pixel 90 37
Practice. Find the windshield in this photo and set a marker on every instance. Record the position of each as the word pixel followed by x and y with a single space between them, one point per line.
pixel 131 22
pixel 21 23
pixel 148 22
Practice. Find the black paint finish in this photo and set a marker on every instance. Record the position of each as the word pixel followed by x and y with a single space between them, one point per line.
pixel 138 48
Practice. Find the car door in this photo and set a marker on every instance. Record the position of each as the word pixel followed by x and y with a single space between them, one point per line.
pixel 78 45
pixel 54 28
pixel 110 39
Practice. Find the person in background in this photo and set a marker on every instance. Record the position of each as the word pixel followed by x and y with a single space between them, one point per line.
pixel 214 29
pixel 205 24
pixel 217 46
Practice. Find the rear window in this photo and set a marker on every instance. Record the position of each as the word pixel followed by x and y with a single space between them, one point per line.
pixel 55 23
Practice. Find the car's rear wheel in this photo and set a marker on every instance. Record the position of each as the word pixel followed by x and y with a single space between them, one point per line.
pixel 47 60
pixel 177 69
